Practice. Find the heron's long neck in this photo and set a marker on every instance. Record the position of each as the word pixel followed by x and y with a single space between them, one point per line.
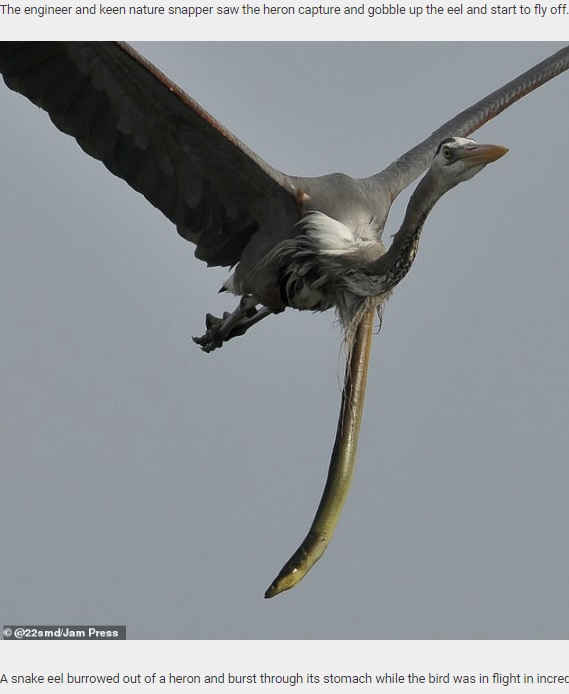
pixel 395 264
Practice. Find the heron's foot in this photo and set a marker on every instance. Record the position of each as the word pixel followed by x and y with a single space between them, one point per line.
pixel 230 325
pixel 213 337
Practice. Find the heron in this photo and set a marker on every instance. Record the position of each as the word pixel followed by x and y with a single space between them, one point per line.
pixel 308 243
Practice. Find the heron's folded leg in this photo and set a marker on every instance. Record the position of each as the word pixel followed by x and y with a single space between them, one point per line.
pixel 220 330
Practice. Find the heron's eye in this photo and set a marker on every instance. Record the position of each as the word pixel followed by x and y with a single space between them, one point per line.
pixel 447 153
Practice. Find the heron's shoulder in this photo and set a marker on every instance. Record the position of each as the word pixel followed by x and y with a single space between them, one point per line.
pixel 332 194
pixel 349 200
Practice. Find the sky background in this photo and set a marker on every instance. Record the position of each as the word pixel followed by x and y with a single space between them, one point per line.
pixel 145 483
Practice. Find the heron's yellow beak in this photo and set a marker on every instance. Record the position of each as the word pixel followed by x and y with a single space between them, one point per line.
pixel 483 154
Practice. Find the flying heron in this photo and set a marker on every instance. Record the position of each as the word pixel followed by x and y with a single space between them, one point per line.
pixel 309 243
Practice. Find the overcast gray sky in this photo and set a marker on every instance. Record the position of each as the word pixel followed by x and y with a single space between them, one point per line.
pixel 144 482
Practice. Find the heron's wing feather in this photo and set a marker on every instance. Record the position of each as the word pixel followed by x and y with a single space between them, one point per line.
pixel 125 112
pixel 402 172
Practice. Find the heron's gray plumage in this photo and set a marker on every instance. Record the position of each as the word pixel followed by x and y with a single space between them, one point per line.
pixel 237 209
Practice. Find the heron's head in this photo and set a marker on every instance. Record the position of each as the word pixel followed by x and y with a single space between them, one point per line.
pixel 458 159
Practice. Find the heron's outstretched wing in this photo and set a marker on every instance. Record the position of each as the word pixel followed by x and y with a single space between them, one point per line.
pixel 402 172
pixel 125 112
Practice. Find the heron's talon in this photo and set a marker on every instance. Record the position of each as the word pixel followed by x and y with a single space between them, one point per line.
pixel 220 330
pixel 214 336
